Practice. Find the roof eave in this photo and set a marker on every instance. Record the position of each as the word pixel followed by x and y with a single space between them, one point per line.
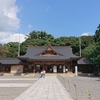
pixel 75 58
pixel 23 58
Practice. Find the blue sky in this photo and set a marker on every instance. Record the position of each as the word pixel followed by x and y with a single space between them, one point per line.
pixel 57 17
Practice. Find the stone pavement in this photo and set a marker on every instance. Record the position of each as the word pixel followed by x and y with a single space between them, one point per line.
pixel 48 88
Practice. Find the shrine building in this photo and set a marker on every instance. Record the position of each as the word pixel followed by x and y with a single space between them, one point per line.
pixel 52 59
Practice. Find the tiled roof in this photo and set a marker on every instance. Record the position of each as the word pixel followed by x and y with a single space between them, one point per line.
pixel 11 61
pixel 83 61
pixel 33 51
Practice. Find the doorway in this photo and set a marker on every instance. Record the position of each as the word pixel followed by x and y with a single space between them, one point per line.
pixel 60 69
pixel 49 68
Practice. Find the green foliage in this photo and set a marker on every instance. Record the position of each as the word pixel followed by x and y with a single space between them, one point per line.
pixel 93 53
pixel 2 51
pixel 85 42
pixel 37 38
pixel 41 38
pixel 12 49
pixel 97 34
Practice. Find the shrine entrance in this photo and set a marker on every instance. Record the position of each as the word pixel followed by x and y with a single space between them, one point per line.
pixel 60 69
pixel 38 68
pixel 49 68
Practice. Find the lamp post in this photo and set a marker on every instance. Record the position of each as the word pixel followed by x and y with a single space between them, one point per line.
pixel 80 42
pixel 19 46
pixel 80 45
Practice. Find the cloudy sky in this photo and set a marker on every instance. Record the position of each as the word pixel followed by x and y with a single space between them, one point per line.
pixel 56 17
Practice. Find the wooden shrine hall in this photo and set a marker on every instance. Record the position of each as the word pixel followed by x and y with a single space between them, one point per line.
pixel 52 59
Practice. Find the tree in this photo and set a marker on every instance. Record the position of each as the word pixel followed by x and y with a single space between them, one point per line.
pixel 41 38
pixel 32 35
pixel 36 38
pixel 93 51
pixel 97 35
pixel 12 49
pixel 93 55
pixel 2 51
pixel 85 42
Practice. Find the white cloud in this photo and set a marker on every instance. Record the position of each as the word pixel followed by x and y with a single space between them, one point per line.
pixel 86 34
pixel 6 37
pixel 8 15
pixel 9 22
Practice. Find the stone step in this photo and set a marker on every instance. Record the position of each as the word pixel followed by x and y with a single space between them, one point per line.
pixel 38 74
pixel 28 74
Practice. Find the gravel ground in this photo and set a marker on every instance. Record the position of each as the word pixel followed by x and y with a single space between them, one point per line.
pixel 18 81
pixel 82 88
pixel 76 86
pixel 10 93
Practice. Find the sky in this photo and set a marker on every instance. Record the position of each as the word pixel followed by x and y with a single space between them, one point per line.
pixel 56 17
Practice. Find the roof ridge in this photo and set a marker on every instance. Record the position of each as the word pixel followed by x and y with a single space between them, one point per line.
pixel 47 46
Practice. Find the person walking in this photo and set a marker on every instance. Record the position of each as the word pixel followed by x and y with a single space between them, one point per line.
pixel 44 73
pixel 41 74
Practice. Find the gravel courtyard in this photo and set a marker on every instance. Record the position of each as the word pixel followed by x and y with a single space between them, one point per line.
pixel 13 86
pixel 82 88
pixel 78 87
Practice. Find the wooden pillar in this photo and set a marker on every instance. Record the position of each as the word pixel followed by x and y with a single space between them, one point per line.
pixel 71 66
pixel 34 66
pixel 43 65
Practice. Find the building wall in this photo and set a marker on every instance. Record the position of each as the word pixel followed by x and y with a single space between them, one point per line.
pixel 16 69
pixel 83 68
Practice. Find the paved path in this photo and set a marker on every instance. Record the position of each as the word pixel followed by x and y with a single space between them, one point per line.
pixel 48 88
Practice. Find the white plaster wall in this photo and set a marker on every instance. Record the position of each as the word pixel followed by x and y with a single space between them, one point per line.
pixel 54 69
pixel 14 68
pixel 63 69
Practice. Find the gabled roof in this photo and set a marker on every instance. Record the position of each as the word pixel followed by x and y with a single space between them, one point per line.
pixel 36 53
pixel 49 48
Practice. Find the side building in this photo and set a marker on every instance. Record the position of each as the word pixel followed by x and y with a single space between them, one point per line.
pixel 52 59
